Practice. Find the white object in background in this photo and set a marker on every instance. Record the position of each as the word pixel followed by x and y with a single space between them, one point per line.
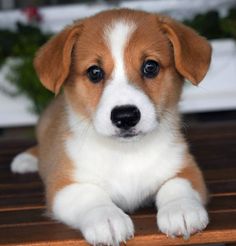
pixel 14 111
pixel 57 17
pixel 218 89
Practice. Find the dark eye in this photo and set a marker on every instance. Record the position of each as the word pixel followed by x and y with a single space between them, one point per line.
pixel 150 69
pixel 95 74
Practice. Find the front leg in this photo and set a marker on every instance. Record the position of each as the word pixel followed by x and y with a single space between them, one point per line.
pixel 180 202
pixel 88 208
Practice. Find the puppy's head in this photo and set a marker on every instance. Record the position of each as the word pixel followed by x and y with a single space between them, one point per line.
pixel 123 69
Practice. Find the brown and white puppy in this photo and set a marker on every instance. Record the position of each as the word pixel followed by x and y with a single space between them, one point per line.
pixel 110 141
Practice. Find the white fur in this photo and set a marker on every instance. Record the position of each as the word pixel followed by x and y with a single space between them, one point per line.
pixel 130 172
pixel 119 90
pixel 117 35
pixel 90 209
pixel 24 163
pixel 111 175
pixel 180 209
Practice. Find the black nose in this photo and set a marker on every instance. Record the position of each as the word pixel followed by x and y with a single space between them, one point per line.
pixel 125 116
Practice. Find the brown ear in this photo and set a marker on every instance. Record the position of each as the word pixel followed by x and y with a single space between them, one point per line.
pixel 53 60
pixel 192 53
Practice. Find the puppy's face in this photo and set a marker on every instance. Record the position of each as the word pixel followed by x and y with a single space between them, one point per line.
pixel 123 69
pixel 118 73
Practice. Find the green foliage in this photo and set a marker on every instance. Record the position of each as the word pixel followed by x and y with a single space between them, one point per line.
pixel 24 77
pixel 22 45
pixel 207 25
pixel 228 24
pixel 212 26
pixel 7 39
pixel 22 42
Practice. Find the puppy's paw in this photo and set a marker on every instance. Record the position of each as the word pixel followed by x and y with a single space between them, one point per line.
pixel 182 217
pixel 24 163
pixel 107 225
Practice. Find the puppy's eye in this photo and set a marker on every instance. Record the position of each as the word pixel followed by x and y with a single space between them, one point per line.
pixel 150 69
pixel 95 74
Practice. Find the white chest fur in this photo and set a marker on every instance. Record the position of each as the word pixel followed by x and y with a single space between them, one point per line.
pixel 130 172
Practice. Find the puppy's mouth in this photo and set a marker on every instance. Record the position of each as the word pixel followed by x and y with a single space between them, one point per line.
pixel 128 134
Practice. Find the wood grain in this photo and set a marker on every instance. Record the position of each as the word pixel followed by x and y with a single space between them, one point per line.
pixel 23 220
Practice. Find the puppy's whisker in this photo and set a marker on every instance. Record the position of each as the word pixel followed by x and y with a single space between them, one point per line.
pixel 79 125
pixel 84 134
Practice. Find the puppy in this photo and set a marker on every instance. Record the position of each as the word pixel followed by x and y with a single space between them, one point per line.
pixel 110 141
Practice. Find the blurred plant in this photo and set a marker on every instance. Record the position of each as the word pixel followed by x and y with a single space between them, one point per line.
pixel 212 26
pixel 228 24
pixel 21 45
pixel 207 25
pixel 24 78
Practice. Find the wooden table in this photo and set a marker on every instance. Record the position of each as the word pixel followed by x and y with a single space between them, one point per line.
pixel 22 206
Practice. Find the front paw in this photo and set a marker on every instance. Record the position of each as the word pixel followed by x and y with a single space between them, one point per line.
pixel 107 225
pixel 182 217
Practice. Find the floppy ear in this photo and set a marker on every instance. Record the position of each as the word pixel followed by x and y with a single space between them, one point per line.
pixel 192 53
pixel 53 60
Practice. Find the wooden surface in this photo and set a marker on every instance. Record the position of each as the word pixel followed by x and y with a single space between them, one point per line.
pixel 22 209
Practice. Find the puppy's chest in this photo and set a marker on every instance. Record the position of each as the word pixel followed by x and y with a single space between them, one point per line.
pixel 129 172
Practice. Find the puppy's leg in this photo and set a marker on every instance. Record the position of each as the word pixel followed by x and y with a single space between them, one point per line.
pixel 180 202
pixel 89 208
pixel 26 161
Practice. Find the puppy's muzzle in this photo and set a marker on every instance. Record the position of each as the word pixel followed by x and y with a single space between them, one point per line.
pixel 125 117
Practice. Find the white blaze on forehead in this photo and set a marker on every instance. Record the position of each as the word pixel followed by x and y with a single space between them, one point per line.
pixel 118 90
pixel 117 36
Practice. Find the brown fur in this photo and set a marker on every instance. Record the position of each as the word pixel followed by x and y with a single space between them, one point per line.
pixel 192 173
pixel 53 60
pixel 55 167
pixel 150 43
pixel 192 53
pixel 65 59
pixel 33 151
pixel 82 94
